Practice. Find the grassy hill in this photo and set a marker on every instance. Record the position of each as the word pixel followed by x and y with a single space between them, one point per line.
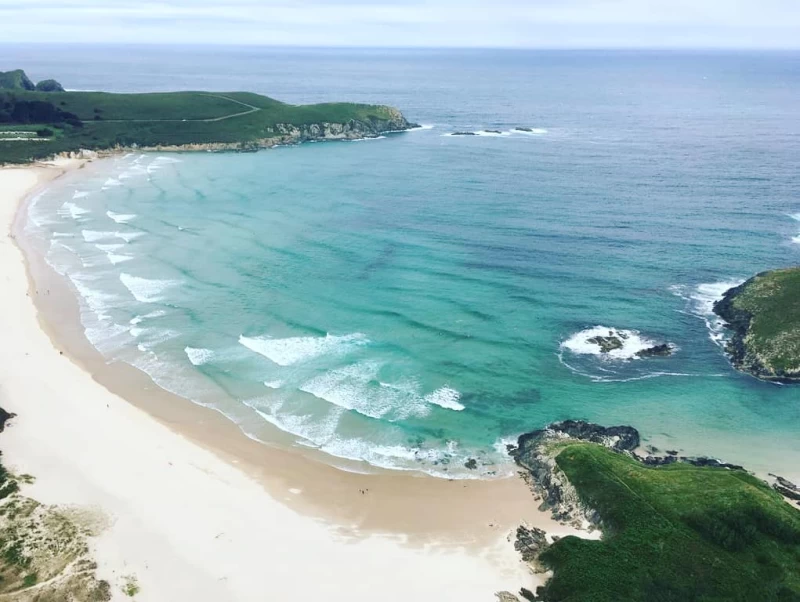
pixel 99 120
pixel 674 533
pixel 764 314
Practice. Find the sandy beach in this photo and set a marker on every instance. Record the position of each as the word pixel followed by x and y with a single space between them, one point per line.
pixel 197 511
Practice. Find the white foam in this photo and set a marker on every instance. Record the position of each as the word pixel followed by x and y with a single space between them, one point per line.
pixel 633 342
pixel 494 133
pixel 98 301
pixel 129 236
pixel 445 398
pixel 795 216
pixel 146 290
pixel 150 337
pixel 356 387
pixel 700 302
pixel 293 350
pixel 72 210
pixel 273 384
pixel 79 194
pixel 368 138
pixel 120 218
pixel 533 132
pixel 198 355
pixel 796 239
pixel 110 248
pixel 115 258
pixel 153 314
pixel 111 182
pixel 95 236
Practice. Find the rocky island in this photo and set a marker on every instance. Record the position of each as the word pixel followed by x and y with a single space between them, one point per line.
pixel 673 528
pixel 46 120
pixel 763 315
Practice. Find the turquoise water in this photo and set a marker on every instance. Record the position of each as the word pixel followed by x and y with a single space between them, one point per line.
pixel 418 300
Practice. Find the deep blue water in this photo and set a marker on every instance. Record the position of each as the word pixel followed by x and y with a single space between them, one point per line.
pixel 420 299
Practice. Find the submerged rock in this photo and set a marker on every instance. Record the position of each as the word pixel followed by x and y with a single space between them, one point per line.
pixel 463 134
pixel 523 129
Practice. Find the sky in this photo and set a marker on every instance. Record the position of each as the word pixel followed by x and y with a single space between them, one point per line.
pixel 415 23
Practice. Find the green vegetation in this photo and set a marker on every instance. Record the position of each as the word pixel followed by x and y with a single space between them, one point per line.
pixel 675 533
pixel 130 586
pixel 100 120
pixel 764 314
pixel 15 80
pixel 44 555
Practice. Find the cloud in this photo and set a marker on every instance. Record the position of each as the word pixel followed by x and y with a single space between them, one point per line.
pixel 523 23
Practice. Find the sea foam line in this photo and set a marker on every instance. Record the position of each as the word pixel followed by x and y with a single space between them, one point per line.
pixel 146 290
pixel 293 350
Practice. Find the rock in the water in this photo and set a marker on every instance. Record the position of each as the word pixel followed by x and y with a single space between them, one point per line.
pixel 662 350
pixel 472 464
pixel 523 129
pixel 463 134
pixel 607 344
pixel 506 597
pixel 493 131
pixel 786 488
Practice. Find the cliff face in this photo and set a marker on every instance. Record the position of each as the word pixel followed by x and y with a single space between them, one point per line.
pixel 287 133
pixel 351 130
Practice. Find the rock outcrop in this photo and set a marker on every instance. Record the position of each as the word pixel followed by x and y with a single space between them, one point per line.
pixel 536 453
pixel 49 85
pixel 762 315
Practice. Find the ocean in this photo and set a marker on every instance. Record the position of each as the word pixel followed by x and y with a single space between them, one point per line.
pixel 417 301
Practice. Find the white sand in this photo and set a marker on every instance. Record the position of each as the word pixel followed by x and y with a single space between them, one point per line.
pixel 188 525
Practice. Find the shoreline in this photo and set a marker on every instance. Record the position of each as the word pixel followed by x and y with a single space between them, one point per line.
pixel 407 521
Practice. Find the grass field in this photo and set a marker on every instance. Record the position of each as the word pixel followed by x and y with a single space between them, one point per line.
pixel 99 120
pixel 675 533
pixel 773 338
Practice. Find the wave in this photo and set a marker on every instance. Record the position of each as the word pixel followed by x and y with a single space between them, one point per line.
pixel 95 235
pixel 115 258
pixel 795 216
pixel 357 388
pixel 322 433
pixel 700 301
pixel 446 398
pixel 79 194
pixel 586 342
pixel 72 210
pixel 198 356
pixel 796 239
pixel 293 350
pixel 273 384
pixel 111 183
pixel 120 218
pixel 146 290
pixel 368 138
pixel 150 337
pixel 99 302
pixel 153 314
pixel 110 248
